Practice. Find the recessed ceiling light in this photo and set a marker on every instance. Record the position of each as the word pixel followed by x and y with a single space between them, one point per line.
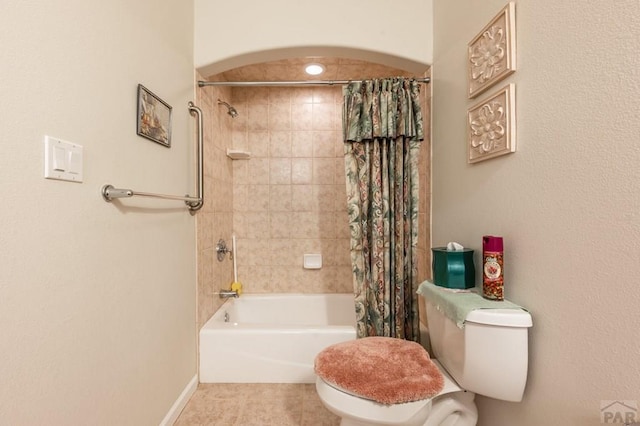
pixel 314 69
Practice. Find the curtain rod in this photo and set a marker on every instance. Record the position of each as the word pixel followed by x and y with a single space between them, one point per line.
pixel 288 83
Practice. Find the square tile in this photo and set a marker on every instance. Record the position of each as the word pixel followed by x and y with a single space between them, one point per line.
pixel 280 116
pixel 324 143
pixel 280 171
pixel 324 170
pixel 258 143
pixel 302 143
pixel 280 143
pixel 301 170
pixel 280 198
pixel 257 117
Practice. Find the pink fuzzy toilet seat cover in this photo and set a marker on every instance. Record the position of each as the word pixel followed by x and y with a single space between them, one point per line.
pixel 383 369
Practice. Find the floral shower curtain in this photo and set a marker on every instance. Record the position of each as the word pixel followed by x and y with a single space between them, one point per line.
pixel 382 125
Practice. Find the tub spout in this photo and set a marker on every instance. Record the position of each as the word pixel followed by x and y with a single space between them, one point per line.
pixel 225 294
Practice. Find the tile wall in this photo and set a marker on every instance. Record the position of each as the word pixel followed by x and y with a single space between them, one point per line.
pixel 288 199
pixel 215 219
pixel 424 206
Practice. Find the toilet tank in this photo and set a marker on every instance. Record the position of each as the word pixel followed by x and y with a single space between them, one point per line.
pixel 489 355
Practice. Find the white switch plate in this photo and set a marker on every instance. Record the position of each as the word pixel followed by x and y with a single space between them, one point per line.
pixel 62 160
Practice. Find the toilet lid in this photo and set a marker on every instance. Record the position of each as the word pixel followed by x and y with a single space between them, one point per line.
pixel 383 369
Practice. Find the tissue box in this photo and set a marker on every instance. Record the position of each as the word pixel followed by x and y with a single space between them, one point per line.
pixel 453 269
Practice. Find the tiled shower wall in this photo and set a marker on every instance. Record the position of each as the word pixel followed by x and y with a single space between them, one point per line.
pixel 288 199
pixel 215 219
pixel 424 206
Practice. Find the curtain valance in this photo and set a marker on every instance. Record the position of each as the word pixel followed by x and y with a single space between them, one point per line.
pixel 382 108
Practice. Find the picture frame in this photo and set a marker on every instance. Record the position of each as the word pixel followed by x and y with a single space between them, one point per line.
pixel 491 126
pixel 492 53
pixel 154 117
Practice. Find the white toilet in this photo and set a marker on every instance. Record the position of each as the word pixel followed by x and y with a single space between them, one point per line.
pixel 489 357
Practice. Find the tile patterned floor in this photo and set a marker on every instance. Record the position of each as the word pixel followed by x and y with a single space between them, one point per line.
pixel 240 404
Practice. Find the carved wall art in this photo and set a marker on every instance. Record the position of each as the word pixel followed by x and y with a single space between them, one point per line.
pixel 492 126
pixel 492 53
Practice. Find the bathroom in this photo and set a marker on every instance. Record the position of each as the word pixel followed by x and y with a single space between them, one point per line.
pixel 99 300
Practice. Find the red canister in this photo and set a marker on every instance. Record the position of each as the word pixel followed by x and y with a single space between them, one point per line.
pixel 492 268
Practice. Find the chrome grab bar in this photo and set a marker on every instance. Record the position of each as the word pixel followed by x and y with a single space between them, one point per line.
pixel 109 192
pixel 197 205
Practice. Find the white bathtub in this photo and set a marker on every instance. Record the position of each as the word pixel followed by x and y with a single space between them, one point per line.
pixel 273 338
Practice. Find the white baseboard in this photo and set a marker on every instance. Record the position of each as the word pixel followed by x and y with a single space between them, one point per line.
pixel 182 400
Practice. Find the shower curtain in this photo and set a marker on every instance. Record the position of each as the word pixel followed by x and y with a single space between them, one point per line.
pixel 382 126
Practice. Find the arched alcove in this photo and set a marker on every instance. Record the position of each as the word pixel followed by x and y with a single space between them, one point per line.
pixel 289 198
pixel 293 69
pixel 229 35
pixel 330 55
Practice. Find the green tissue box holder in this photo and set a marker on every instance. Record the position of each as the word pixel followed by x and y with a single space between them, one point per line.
pixel 453 269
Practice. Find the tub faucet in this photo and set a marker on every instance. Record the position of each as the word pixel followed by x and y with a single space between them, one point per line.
pixel 225 294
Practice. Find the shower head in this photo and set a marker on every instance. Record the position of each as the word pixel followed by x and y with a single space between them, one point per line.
pixel 231 110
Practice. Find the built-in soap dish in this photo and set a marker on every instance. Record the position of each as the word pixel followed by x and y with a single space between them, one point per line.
pixel 312 261
pixel 237 154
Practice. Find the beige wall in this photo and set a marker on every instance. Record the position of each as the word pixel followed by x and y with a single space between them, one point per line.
pixel 278 29
pixel 96 300
pixel 566 202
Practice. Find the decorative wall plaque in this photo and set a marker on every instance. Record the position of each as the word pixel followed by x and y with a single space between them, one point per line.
pixel 492 125
pixel 492 53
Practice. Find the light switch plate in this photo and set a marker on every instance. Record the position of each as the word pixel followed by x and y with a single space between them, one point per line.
pixel 62 160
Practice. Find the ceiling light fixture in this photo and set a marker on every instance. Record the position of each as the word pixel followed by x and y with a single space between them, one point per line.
pixel 314 69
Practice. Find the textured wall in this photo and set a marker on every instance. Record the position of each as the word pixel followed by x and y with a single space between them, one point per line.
pixel 566 202
pixel 96 299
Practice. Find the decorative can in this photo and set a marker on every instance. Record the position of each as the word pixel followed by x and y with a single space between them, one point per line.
pixel 492 268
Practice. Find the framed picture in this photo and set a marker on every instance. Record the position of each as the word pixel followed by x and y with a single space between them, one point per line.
pixel 154 117
pixel 492 53
pixel 491 125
